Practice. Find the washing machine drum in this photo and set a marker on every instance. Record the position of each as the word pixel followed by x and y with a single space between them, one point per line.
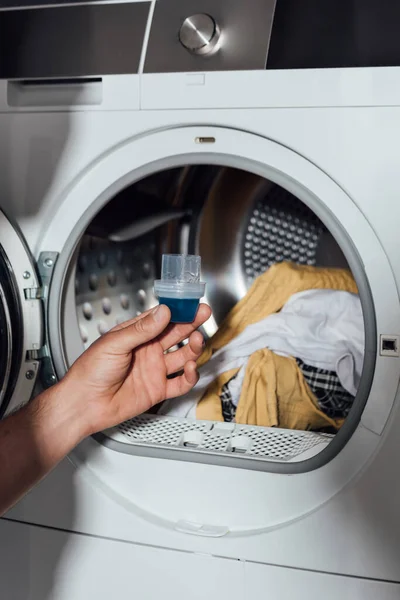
pixel 239 223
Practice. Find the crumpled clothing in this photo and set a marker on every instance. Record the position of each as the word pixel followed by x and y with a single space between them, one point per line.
pixel 269 294
pixel 274 394
pixel 332 398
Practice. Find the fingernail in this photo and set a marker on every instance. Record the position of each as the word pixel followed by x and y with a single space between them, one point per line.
pixel 157 313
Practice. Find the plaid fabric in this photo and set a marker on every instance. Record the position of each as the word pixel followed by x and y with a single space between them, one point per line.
pixel 333 399
pixel 228 408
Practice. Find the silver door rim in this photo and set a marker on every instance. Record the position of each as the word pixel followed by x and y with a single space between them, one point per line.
pixel 31 315
pixel 354 260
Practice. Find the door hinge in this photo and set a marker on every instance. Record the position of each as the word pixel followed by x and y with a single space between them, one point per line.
pixel 46 264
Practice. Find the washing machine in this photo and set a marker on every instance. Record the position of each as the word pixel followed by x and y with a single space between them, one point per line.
pixel 250 133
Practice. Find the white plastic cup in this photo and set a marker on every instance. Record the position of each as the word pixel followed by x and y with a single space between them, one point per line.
pixel 180 287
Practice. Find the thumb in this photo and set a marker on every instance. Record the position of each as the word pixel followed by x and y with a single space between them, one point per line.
pixel 142 331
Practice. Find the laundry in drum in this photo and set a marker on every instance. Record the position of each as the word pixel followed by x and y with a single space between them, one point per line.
pixel 180 287
pixel 288 355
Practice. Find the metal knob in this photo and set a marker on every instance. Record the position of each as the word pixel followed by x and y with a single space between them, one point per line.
pixel 199 34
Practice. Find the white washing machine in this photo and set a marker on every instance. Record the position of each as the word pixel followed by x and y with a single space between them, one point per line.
pixel 132 128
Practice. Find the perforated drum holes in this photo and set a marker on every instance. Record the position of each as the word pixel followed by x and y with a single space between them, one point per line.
pixel 93 282
pixel 146 270
pixel 87 311
pixel 102 260
pixel 113 283
pixel 112 278
pixel 102 327
pixel 128 275
pixel 280 228
pixel 82 263
pixel 389 345
pixel 106 305
pixel 124 299
pixel 84 334
pixel 141 296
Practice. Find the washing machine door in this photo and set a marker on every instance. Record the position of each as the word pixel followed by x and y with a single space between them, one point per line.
pixel 21 319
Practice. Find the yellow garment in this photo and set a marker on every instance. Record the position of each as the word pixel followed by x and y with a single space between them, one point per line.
pixel 274 393
pixel 270 292
pixel 209 408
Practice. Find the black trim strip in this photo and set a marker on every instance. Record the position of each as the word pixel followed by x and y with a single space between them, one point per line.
pixel 55 81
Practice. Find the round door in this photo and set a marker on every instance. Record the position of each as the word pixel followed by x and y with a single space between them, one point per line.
pixel 175 492
pixel 20 319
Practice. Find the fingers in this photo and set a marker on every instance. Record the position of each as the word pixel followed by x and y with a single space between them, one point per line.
pixel 174 334
pixel 184 383
pixel 140 331
pixel 177 333
pixel 131 321
pixel 175 361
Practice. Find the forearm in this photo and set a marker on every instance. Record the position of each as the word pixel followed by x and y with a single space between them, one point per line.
pixel 35 439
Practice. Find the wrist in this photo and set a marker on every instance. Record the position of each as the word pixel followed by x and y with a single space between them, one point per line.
pixel 58 413
pixel 79 404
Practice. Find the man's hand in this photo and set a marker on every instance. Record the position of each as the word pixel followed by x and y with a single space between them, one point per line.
pixel 125 372
pixel 121 375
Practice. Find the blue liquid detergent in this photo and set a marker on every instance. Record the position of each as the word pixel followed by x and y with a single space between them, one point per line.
pixel 183 310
